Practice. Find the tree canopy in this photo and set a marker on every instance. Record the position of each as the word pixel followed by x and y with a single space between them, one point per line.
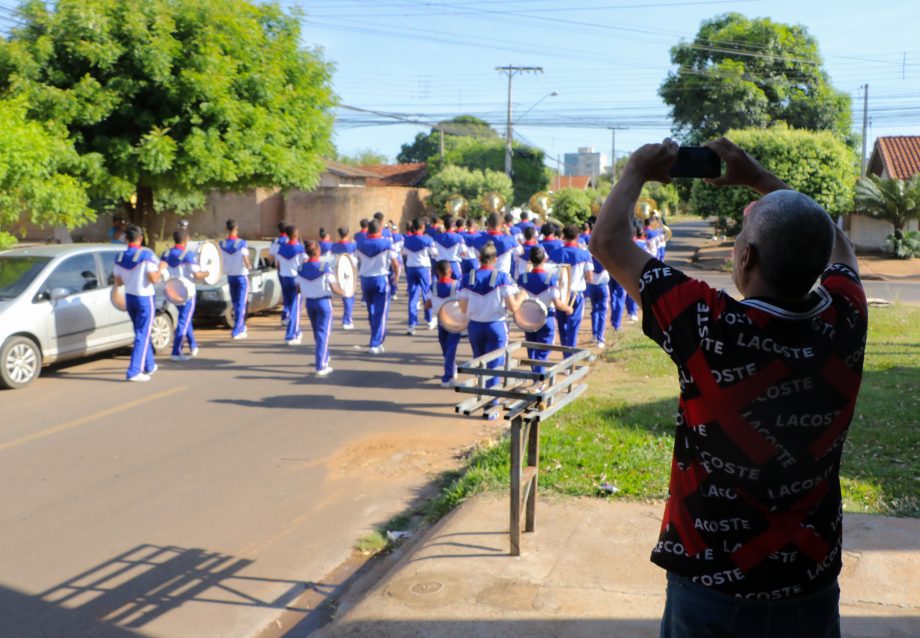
pixel 39 174
pixel 472 184
pixel 174 95
pixel 427 145
pixel 815 163
pixel 894 200
pixel 742 73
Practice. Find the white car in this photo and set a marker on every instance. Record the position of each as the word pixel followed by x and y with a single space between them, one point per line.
pixel 55 305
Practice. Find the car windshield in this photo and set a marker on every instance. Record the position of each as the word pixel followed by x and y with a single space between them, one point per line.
pixel 17 272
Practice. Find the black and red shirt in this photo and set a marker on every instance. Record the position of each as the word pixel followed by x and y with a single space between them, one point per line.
pixel 767 396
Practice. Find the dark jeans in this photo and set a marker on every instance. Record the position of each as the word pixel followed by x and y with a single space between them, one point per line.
pixel 694 611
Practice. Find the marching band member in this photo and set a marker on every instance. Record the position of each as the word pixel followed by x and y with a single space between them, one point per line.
pixel 138 269
pixel 236 262
pixel 398 241
pixel 618 297
pixel 522 261
pixel 599 294
pixel 585 235
pixel 525 222
pixel 384 229
pixel 468 260
pixel 345 246
pixel 282 238
pixel 582 265
pixel 485 297
pixel 289 258
pixel 505 245
pixel 314 282
pixel 325 243
pixel 539 284
pixel 375 254
pixel 418 249
pixel 361 235
pixel 450 246
pixel 550 242
pixel 182 262
pixel 513 228
pixel 444 290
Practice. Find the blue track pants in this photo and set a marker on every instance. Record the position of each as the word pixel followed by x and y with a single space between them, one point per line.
pixel 568 324
pixel 546 334
pixel 418 284
pixel 599 294
pixel 142 311
pixel 486 337
pixel 377 297
pixel 320 313
pixel 449 342
pixel 184 330
pixel 239 295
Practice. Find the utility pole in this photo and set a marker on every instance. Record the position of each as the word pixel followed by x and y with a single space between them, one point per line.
pixel 441 129
pixel 511 71
pixel 865 127
pixel 613 152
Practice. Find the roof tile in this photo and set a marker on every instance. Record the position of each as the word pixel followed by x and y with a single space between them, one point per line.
pixel 397 174
pixel 900 155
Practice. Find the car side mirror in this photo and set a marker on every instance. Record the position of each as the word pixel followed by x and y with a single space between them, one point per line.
pixel 59 293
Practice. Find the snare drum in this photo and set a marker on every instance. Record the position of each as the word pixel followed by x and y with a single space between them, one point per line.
pixel 531 315
pixel 451 318
pixel 179 290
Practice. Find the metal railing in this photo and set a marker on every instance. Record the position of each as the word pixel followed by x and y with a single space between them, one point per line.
pixel 527 398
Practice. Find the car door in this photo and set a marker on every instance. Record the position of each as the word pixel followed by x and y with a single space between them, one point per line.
pixel 76 306
pixel 119 328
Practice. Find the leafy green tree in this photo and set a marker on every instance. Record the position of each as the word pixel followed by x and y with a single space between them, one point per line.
pixel 665 194
pixel 427 145
pixel 572 205
pixel 366 157
pixel 472 184
pixel 817 164
pixel 894 200
pixel 741 73
pixel 174 95
pixel 39 174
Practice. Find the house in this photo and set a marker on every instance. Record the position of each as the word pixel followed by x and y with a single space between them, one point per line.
pixel 344 175
pixel 894 157
pixel 409 175
pixel 581 182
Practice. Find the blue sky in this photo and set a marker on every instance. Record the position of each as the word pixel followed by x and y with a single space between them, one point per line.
pixel 433 60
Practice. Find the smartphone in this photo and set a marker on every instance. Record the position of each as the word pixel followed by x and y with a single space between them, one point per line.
pixel 696 161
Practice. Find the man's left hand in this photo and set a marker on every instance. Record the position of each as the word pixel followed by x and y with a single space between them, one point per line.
pixel 652 162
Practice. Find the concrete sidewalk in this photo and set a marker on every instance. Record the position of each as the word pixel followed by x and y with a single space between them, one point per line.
pixel 586 572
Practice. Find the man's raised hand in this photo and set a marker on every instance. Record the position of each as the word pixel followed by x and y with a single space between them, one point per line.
pixel 653 161
pixel 742 170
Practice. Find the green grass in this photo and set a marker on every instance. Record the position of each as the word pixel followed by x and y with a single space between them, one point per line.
pixel 621 432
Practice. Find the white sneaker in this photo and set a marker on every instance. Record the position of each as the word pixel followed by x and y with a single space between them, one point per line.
pixel 634 317
pixel 432 324
pixel 325 372
pixel 375 349
pixel 180 357
pixel 394 298
pixel 348 326
pixel 242 335
pixel 194 352
pixel 285 322
pixel 294 342
pixel 139 377
pixel 601 345
pixel 411 331
pixel 447 384
pixel 155 368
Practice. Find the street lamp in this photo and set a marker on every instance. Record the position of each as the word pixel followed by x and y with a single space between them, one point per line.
pixel 535 105
pixel 508 141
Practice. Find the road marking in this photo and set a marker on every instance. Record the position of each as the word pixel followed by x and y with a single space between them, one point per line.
pixel 87 419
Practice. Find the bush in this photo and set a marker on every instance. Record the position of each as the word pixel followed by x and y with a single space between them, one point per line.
pixel 905 244
pixel 471 183
pixel 571 205
pixel 815 163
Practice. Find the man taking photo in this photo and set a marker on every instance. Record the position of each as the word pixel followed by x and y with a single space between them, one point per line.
pixel 751 533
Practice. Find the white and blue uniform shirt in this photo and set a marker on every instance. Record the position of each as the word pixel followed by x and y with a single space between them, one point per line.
pixel 516 233
pixel 442 291
pixel 450 246
pixel 522 261
pixel 289 258
pixel 552 246
pixel 523 225
pixel 315 279
pixel 343 246
pixel 645 245
pixel 601 276
pixel 418 249
pixel 584 239
pixel 324 247
pixel 541 285
pixel 374 255
pixel 485 291
pixel 181 262
pixel 398 240
pixel 132 267
pixel 581 262
pixel 506 247
pixel 233 249
pixel 277 242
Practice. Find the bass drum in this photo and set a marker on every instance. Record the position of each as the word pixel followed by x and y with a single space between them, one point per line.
pixel 531 315
pixel 118 298
pixel 209 260
pixel 451 318
pixel 179 290
pixel 346 276
pixel 564 281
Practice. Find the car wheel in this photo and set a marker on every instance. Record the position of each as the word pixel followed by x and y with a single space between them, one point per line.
pixel 20 362
pixel 161 333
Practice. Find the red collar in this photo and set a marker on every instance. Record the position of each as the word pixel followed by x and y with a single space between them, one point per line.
pixel 180 246
pixel 136 244
pixel 283 235
pixel 550 238
pixel 532 242
pixel 233 236
pixel 374 236
pixel 342 241
pixel 537 270
pixel 313 259
pixel 573 244
pixel 495 232
pixel 445 280
pixel 487 268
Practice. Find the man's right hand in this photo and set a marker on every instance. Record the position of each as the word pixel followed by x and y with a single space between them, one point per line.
pixel 743 170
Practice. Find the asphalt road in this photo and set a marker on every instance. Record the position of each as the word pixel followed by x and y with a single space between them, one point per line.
pixel 202 502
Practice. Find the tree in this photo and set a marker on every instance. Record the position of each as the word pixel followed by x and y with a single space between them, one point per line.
pixel 426 146
pixel 472 184
pixel 665 195
pixel 174 95
pixel 817 164
pixel 572 205
pixel 740 73
pixel 39 174
pixel 894 200
pixel 366 157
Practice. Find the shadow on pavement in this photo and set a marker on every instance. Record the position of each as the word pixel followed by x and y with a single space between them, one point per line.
pixel 313 402
pixel 135 588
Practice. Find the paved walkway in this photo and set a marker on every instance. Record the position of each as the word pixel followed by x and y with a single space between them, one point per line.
pixel 585 572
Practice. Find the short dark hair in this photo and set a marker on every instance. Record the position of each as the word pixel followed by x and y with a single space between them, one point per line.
pixel 290 230
pixel 180 236
pixel 529 233
pixel 343 232
pixel 363 223
pixel 548 229
pixel 537 255
pixel 493 220
pixel 232 225
pixel 524 216
pixel 311 248
pixel 509 218
pixel 282 226
pixel 378 216
pixel 459 223
pixel 133 233
pixel 415 225
pixel 448 221
pixel 570 232
pixel 442 267
pixel 373 227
